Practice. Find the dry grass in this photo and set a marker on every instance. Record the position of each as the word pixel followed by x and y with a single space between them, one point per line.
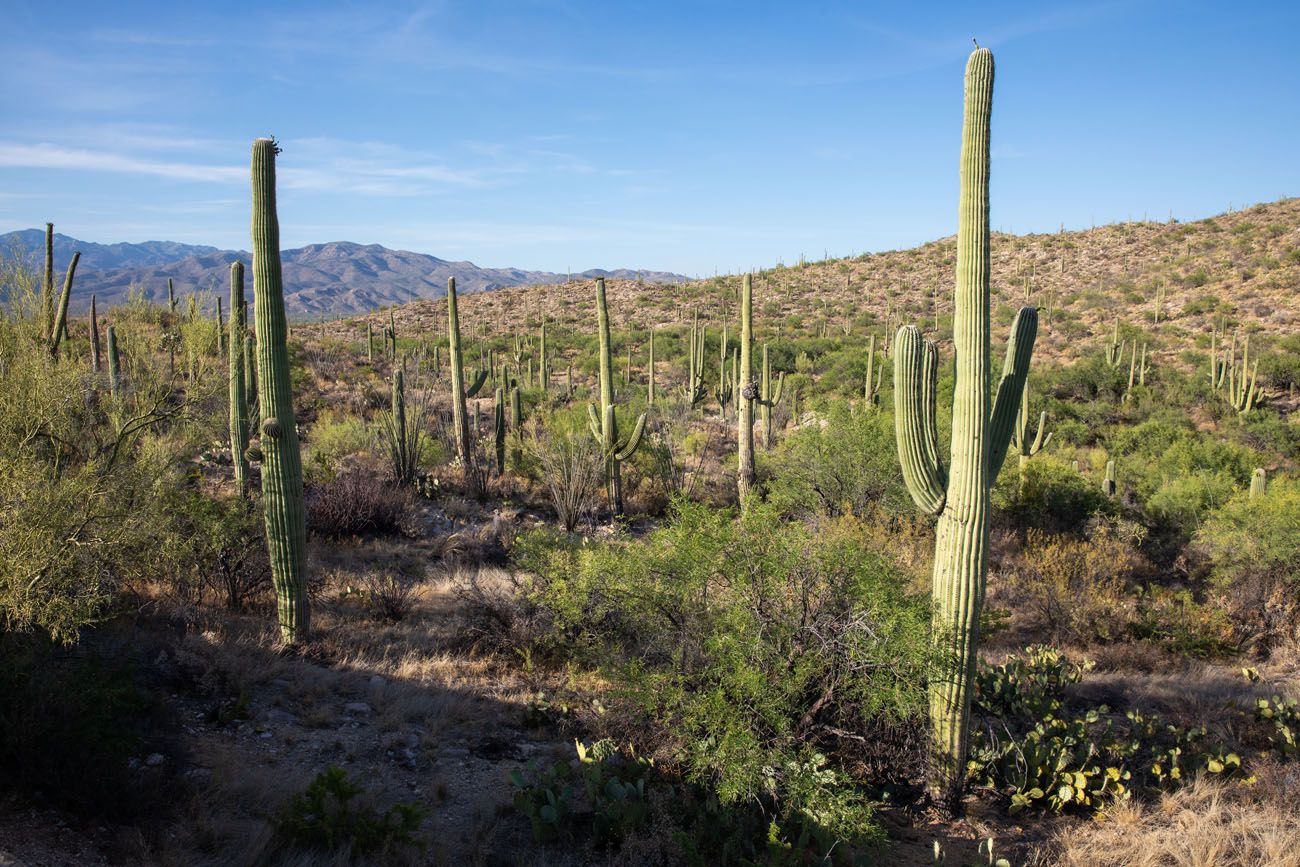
pixel 1207 824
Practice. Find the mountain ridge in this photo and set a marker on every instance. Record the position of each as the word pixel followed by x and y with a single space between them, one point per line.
pixel 337 278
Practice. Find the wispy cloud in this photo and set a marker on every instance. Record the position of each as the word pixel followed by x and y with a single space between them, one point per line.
pixel 50 156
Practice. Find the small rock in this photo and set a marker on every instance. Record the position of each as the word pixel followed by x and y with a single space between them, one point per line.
pixel 376 680
pixel 356 707
pixel 154 760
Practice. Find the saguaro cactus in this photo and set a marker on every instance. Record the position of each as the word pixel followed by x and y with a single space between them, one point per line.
pixel 94 336
pixel 282 496
pixel 748 393
pixel 767 398
pixel 871 389
pixel 60 327
pixel 604 426
pixel 1115 349
pixel 1258 483
pixel 114 365
pixel 959 494
pixel 650 372
pixel 238 379
pixel 499 429
pixel 1025 448
pixel 694 388
pixel 460 419
pixel 47 285
pixel 171 295
pixel 1108 484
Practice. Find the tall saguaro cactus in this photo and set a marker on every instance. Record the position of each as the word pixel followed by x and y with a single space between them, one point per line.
pixel 459 416
pixel 94 336
pixel 604 426
pixel 238 379
pixel 282 496
pixel 959 493
pixel 114 364
pixel 767 398
pixel 1025 447
pixel 47 285
pixel 61 321
pixel 748 393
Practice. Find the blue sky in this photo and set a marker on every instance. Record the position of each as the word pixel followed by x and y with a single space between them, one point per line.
pixel 679 136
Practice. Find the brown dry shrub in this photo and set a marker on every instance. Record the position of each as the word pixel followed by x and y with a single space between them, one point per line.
pixel 357 503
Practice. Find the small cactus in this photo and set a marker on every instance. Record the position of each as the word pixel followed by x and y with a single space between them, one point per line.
pixel 768 398
pixel 1258 483
pixel 1108 484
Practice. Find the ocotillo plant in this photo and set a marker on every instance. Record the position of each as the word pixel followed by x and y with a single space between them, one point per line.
pixel 238 397
pixel 60 327
pixel 282 494
pixel 604 426
pixel 114 365
pixel 460 419
pixel 1108 484
pixel 748 393
pixel 94 336
pixel 959 494
pixel 767 398
pixel 1025 448
pixel 1258 483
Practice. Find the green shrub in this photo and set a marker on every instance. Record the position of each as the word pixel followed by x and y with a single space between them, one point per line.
pixel 849 466
pixel 324 817
pixel 751 642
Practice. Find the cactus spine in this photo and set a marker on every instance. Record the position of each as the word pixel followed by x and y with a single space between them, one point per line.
pixel 94 336
pixel 238 396
pixel 959 494
pixel 60 327
pixel 748 392
pixel 604 426
pixel 1258 483
pixel 460 418
pixel 282 494
pixel 767 398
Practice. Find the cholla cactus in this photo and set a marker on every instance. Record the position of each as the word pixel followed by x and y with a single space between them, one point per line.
pixel 959 493
pixel 604 425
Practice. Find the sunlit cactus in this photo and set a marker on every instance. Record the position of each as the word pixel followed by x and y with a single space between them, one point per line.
pixel 282 493
pixel 1258 483
pixel 604 423
pixel 60 327
pixel 768 398
pixel 959 493
pixel 459 393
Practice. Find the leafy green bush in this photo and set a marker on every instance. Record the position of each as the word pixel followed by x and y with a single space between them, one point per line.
pixel 847 466
pixel 323 816
pixel 1049 496
pixel 753 643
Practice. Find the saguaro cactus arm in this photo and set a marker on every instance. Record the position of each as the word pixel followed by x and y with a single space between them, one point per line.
pixel 1015 370
pixel 61 322
pixel 916 366
pixel 633 441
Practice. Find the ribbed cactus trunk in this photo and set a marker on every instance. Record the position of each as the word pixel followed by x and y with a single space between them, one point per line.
pixel 238 380
pixel 370 342
pixel 95 362
pixel 459 419
pixel 959 494
pixel 47 285
pixel 499 429
pixel 401 444
pixel 608 418
pixel 544 362
pixel 114 364
pixel 650 372
pixel 745 477
pixel 1258 483
pixel 171 296
pixel 282 494
pixel 60 327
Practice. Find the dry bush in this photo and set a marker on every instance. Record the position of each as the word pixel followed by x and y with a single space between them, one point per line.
pixel 1075 589
pixel 388 596
pixel 573 473
pixel 1210 823
pixel 356 503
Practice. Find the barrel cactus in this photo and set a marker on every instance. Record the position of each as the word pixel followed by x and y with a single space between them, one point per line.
pixel 282 493
pixel 958 494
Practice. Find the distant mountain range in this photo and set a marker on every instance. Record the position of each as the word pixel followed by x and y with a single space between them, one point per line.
pixel 338 278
